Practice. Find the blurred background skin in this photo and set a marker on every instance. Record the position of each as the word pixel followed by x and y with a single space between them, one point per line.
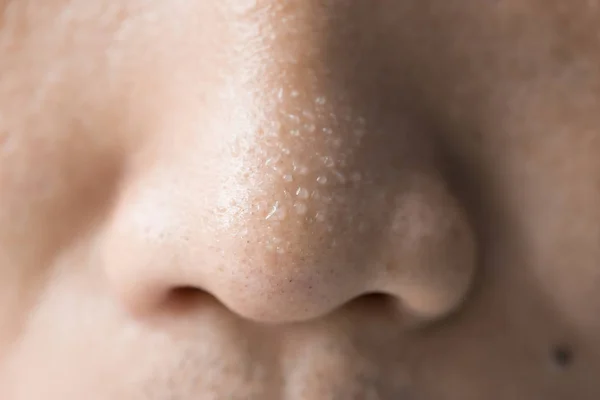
pixel 261 199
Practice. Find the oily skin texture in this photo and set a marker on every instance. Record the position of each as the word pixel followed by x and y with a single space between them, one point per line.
pixel 198 199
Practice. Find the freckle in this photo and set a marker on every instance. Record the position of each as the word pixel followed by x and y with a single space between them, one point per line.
pixel 288 178
pixel 320 100
pixel 300 208
pixel 302 193
pixel 322 180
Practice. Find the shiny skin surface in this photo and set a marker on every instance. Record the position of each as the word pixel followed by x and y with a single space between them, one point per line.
pixel 262 199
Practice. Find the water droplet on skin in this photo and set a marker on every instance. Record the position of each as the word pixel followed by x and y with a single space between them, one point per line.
pixel 320 100
pixel 302 193
pixel 337 143
pixel 359 133
pixel 328 162
pixel 315 195
pixel 340 177
pixel 320 217
pixel 361 121
pixel 356 177
pixel 280 250
pixel 285 151
pixel 277 213
pixel 244 6
pixel 295 93
pixel 327 131
pixel 280 94
pixel 288 178
pixel 310 127
pixel 295 132
pixel 294 118
pixel 302 169
pixel 270 162
pixel 308 114
pixel 300 208
pixel 322 180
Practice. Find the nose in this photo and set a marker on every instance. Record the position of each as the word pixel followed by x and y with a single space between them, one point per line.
pixel 284 196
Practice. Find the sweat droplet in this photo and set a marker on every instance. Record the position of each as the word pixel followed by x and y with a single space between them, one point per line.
pixel 308 114
pixel 310 127
pixel 302 193
pixel 294 118
pixel 302 169
pixel 320 100
pixel 295 93
pixel 328 162
pixel 340 177
pixel 322 180
pixel 277 213
pixel 295 132
pixel 288 178
pixel 300 208
pixel 327 131
pixel 320 217
pixel 244 6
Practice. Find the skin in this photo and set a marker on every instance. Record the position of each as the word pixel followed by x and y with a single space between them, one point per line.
pixel 393 199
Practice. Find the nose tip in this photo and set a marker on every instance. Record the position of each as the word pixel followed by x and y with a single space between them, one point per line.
pixel 279 265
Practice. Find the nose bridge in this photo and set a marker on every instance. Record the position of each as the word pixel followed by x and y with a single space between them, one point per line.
pixel 293 138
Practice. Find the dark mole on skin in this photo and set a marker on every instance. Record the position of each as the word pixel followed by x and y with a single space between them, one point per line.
pixel 562 355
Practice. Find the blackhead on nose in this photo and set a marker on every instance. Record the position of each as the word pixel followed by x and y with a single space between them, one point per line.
pixel 287 194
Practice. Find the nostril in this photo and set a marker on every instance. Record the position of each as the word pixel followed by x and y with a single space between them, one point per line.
pixel 184 298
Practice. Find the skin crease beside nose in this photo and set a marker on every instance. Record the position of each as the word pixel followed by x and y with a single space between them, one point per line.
pixel 259 199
